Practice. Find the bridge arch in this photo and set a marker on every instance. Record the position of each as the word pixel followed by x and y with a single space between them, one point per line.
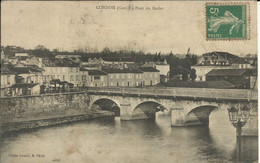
pixel 199 115
pixel 106 104
pixel 147 110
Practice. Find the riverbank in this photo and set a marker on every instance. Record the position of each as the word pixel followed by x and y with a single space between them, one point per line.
pixel 31 123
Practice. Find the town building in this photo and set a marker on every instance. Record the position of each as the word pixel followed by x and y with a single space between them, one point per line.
pixel 125 77
pixel 131 76
pixel 7 77
pixel 218 60
pixel 105 61
pixel 28 74
pixel 97 78
pixel 202 70
pixel 7 80
pixel 163 67
pixel 238 77
pixel 21 55
pixel 241 64
pixel 151 76
pixel 61 56
pixel 3 56
pixel 63 70
pixel 117 60
pixel 33 61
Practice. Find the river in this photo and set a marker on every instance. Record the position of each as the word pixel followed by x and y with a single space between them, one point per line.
pixel 127 141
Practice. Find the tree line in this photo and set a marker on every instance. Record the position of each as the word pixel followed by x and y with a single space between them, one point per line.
pixel 178 65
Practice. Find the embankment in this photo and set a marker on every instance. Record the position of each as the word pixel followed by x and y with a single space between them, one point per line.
pixel 7 127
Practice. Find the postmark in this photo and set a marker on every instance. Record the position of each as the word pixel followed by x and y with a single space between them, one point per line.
pixel 227 21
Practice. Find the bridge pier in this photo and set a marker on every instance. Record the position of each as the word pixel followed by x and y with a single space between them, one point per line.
pixel 125 112
pixel 177 117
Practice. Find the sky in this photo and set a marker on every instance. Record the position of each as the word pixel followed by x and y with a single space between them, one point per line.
pixel 73 25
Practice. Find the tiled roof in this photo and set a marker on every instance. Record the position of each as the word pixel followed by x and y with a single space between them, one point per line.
pixel 63 62
pixel 96 72
pixel 124 70
pixel 6 69
pixel 226 72
pixel 108 59
pixel 222 54
pixel 26 70
pixel 118 59
pixel 148 69
pixel 230 57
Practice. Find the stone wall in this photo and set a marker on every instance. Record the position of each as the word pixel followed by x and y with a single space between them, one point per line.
pixel 40 105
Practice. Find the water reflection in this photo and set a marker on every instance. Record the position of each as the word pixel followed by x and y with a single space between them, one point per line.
pixel 126 141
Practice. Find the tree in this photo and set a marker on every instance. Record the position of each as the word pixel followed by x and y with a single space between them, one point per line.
pixel 184 76
pixel 194 59
pixel 193 75
pixel 155 58
pixel 106 50
pixel 41 48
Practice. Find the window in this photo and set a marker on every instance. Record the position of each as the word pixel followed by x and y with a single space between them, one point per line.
pixel 71 69
pixel 8 80
pixel 117 84
pixel 83 77
pixel 63 78
pixel 96 77
pixel 77 77
pixel 71 78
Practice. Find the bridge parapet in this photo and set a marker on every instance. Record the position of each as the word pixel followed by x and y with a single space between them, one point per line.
pixel 208 93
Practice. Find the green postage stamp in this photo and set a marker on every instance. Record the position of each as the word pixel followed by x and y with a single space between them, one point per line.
pixel 227 21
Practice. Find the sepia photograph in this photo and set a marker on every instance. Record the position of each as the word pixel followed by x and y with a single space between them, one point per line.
pixel 129 82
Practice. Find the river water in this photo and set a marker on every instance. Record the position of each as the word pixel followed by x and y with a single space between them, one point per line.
pixel 125 141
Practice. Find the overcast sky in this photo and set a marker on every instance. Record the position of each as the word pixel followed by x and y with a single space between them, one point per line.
pixel 73 25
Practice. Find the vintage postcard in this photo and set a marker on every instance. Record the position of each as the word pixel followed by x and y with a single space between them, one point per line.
pixel 129 81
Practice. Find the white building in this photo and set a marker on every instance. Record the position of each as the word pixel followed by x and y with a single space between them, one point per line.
pixel 21 55
pixel 202 70
pixel 218 60
pixel 163 67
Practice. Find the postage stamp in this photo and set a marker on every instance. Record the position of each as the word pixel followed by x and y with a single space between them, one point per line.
pixel 227 21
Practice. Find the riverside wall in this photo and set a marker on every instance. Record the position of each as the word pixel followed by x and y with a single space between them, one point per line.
pixel 26 107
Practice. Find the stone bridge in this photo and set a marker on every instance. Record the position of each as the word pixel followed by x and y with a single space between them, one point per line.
pixel 187 106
